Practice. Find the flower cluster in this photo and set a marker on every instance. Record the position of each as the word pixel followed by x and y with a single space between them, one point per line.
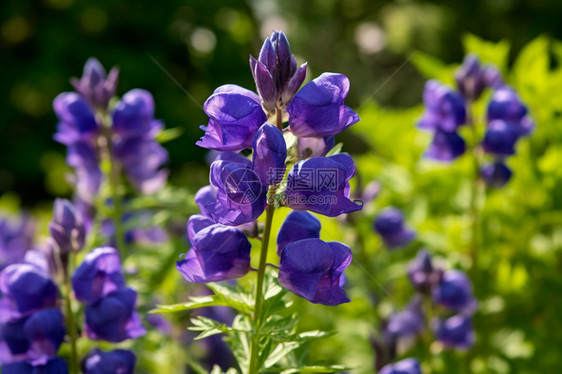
pixel 31 324
pixel 16 238
pixel 110 306
pixel 92 128
pixel 446 110
pixel 389 224
pixel 288 168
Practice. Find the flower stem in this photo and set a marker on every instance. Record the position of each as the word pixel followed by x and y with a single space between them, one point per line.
pixel 474 193
pixel 253 365
pixel 70 320
pixel 117 211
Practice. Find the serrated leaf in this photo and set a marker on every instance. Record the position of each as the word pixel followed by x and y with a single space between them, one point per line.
pixel 202 302
pixel 280 351
pixel 315 334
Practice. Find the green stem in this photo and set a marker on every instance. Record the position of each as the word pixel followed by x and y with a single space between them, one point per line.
pixel 70 320
pixel 117 211
pixel 474 194
pixel 253 366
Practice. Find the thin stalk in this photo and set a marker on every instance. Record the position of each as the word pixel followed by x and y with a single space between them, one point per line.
pixel 70 320
pixel 474 193
pixel 117 211
pixel 253 366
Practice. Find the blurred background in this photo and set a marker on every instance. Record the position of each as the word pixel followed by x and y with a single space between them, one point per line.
pixel 204 44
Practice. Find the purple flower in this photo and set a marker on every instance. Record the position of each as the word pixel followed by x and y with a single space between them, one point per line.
pixel 423 275
pixel 406 323
pixel 235 114
pixel 507 106
pixel 455 332
pixel 312 269
pixel 113 318
pixel 275 72
pixel 492 77
pixel 470 78
pixel 444 109
pixel 54 366
pixel 445 146
pixel 16 238
pixel 94 85
pixel 98 275
pixel 314 147
pixel 500 139
pixel 25 289
pixel 82 156
pixel 270 152
pixel 35 339
pixel 67 228
pixel 298 225
pixel 119 361
pixel 390 226
pixel 134 115
pixel 407 366
pixel 318 109
pixel 454 292
pixel 321 185
pixel 76 119
pixel 218 252
pixel 496 174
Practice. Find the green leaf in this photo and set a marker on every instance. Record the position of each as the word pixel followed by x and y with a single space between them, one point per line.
pixel 495 53
pixel 201 302
pixel 316 369
pixel 169 134
pixel 431 67
pixel 336 150
pixel 280 351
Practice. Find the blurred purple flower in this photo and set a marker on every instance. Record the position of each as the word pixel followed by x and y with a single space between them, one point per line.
pixel 312 269
pixel 445 146
pixel 422 273
pixel 119 361
pixel 113 318
pixel 321 185
pixel 492 77
pixel 16 238
pixel 94 85
pixel 218 252
pixel 444 108
pixel 98 275
pixel 298 225
pixel 54 366
pixel 389 224
pixel 407 323
pixel 67 228
pixel 496 174
pixel 407 366
pixel 76 119
pixel 500 139
pixel 470 78
pixel 454 292
pixel 455 332
pixel 507 106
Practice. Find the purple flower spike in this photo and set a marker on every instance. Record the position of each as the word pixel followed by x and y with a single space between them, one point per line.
pixel 423 275
pixel 444 109
pixel 390 226
pixel 445 146
pixel 119 361
pixel 298 225
pixel 455 332
pixel 407 366
pixel 54 366
pixel 500 139
pixel 134 115
pixel 314 147
pixel 507 106
pixel 67 228
pixel 94 85
pixel 235 114
pixel 142 159
pixel 76 119
pixel 16 238
pixel 454 292
pixel 25 288
pixel 496 174
pixel 218 252
pixel 275 72
pixel 241 196
pixel 98 275
pixel 270 152
pixel 470 78
pixel 318 109
pixel 45 331
pixel 407 323
pixel 312 269
pixel 113 318
pixel 321 185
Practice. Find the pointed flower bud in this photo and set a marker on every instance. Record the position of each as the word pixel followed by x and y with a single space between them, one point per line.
pixel 390 226
pixel 470 78
pixel 67 228
pixel 318 109
pixel 218 252
pixel 455 332
pixel 98 275
pixel 118 361
pixel 313 269
pixel 297 226
pixel 407 366
pixel 94 85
